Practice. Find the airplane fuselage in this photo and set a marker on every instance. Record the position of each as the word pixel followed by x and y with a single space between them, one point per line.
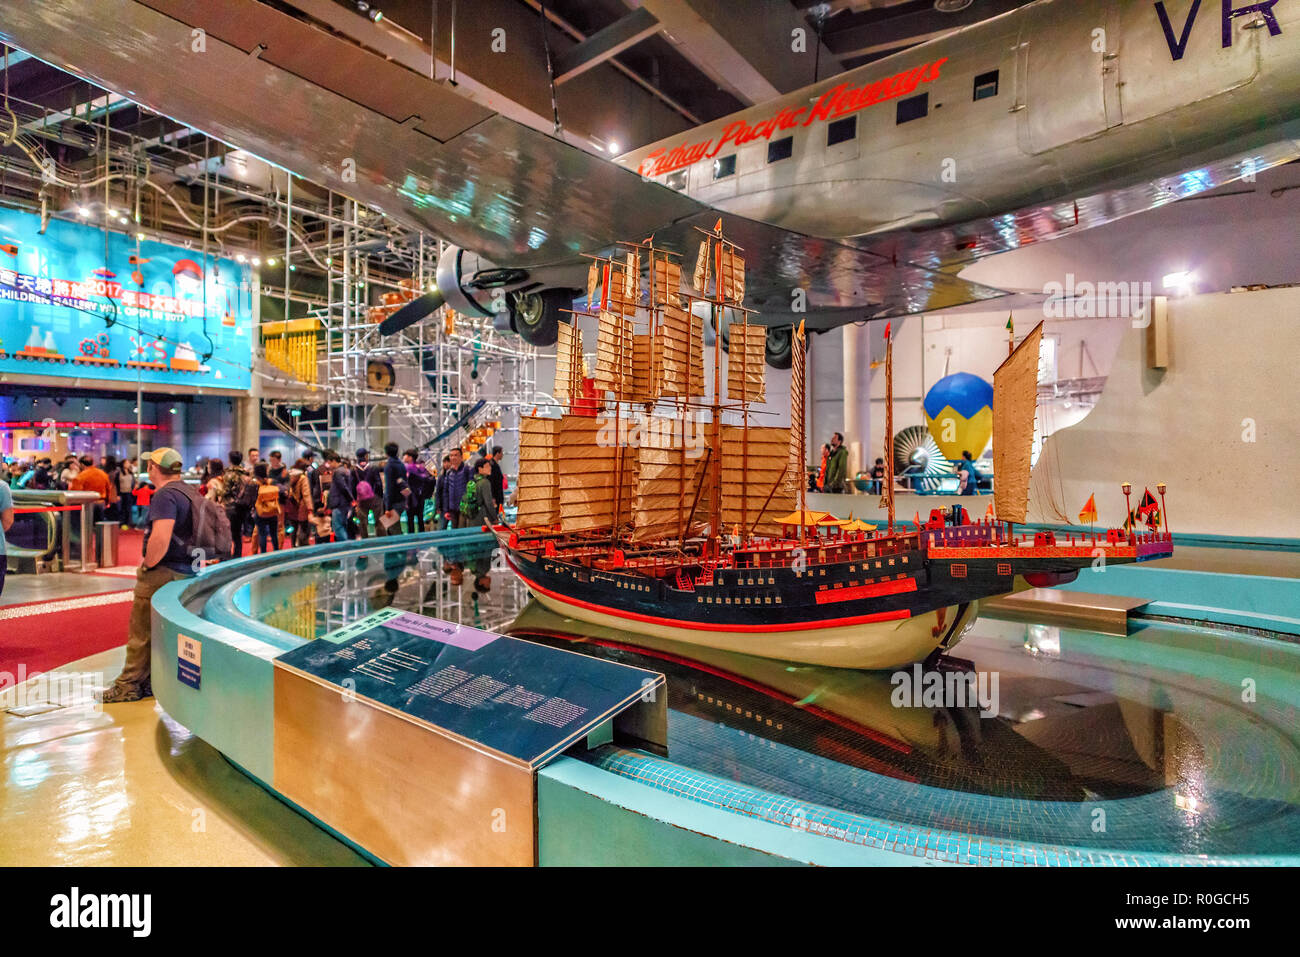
pixel 1048 102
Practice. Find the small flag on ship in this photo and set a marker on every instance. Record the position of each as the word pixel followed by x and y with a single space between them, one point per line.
pixel 1089 513
pixel 918 519
pixel 1011 333
pixel 989 513
pixel 888 327
pixel 1149 509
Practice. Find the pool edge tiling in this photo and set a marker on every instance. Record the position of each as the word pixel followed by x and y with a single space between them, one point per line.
pixel 652 810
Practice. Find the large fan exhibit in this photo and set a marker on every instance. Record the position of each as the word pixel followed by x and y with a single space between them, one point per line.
pixel 918 461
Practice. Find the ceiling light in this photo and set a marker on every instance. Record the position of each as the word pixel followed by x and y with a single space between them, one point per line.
pixel 613 148
pixel 271 261
pixel 257 260
pixel 139 235
pixel 1180 281
pixel 241 258
pixel 172 410
pixel 82 211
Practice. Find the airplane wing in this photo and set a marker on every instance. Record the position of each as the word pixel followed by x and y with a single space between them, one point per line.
pixel 430 157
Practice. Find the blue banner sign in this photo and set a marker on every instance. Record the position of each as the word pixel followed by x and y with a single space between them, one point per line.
pixel 75 302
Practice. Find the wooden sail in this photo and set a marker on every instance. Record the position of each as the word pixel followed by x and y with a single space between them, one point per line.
pixel 669 472
pixel 568 364
pixel 680 353
pixel 733 276
pixel 614 347
pixel 667 286
pixel 588 491
pixel 538 489
pixel 754 462
pixel 746 379
pixel 700 277
pixel 624 285
pixel 645 383
pixel 798 417
pixel 1015 396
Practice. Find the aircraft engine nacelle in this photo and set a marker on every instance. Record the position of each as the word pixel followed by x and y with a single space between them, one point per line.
pixel 474 286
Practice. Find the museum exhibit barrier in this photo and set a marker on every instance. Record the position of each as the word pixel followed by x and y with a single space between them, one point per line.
pixel 48 527
pixel 619 804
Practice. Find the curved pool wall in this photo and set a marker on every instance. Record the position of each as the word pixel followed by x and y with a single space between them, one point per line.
pixel 623 807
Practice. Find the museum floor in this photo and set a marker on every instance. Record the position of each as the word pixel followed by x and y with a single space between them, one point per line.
pixel 1085 718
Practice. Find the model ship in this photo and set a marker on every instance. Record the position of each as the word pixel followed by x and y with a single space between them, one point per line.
pixel 666 509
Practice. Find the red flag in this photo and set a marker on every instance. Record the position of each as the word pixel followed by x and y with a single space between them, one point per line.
pixel 1148 504
pixel 988 512
pixel 918 519
pixel 888 326
pixel 1089 513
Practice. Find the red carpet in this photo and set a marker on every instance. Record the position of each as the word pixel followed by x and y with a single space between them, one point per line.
pixel 43 635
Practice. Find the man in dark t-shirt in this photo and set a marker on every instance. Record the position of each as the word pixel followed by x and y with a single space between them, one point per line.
pixel 168 544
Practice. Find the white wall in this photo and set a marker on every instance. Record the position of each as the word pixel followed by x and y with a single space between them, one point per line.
pixel 1219 425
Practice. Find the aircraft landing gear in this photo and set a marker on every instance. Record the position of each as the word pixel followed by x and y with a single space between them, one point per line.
pixel 536 316
pixel 779 350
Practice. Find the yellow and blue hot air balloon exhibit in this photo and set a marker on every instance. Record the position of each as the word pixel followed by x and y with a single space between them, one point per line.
pixel 959 414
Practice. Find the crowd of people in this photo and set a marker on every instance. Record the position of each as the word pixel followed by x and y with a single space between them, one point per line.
pixel 338 498
pixel 273 504
pixel 116 482
pixel 276 505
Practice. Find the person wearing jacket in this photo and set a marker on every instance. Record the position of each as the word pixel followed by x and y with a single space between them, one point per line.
pixel 418 480
pixel 439 485
pixel 456 478
pixel 485 504
pixel 297 514
pixel 373 473
pixel 342 495
pixel 837 465
pixel 397 492
pixel 498 477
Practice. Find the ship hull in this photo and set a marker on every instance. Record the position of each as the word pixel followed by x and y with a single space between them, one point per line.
pixel 870 646
pixel 864 638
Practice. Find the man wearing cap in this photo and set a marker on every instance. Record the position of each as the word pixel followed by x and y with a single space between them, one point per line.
pixel 168 541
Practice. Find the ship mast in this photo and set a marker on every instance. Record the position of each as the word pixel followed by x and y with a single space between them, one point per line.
pixel 887 499
pixel 715 430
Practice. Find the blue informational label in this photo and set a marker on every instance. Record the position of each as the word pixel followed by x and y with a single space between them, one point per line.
pixel 77 304
pixel 189 660
pixel 521 699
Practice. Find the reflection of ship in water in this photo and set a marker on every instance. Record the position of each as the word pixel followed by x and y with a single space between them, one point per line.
pixel 1051 740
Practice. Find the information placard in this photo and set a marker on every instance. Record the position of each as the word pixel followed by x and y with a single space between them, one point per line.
pixel 523 700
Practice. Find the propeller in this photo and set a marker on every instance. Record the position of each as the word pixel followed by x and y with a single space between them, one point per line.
pixel 414 311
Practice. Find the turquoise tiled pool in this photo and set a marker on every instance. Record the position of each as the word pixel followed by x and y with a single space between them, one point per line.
pixel 1175 743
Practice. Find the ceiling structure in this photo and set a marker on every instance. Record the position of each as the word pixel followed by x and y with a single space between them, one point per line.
pixel 624 72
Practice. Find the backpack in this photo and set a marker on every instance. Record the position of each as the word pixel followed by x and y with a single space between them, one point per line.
pixel 246 497
pixel 364 491
pixel 469 501
pixel 267 503
pixel 210 524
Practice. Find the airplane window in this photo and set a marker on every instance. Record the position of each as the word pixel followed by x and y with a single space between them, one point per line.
pixel 913 108
pixel 724 166
pixel 780 149
pixel 677 180
pixel 986 85
pixel 842 131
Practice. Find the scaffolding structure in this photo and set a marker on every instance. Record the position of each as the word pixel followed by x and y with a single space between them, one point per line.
pixel 452 375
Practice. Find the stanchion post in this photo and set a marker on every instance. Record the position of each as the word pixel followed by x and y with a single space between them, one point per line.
pixel 87 537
